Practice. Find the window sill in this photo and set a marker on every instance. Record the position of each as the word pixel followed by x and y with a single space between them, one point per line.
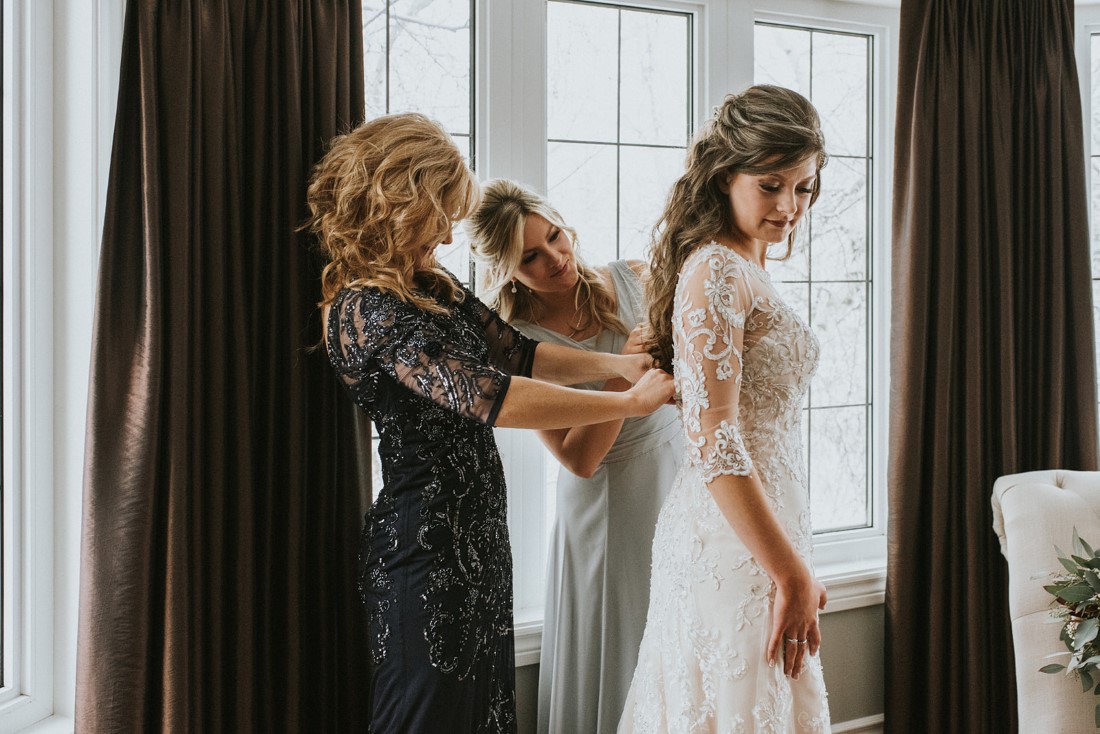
pixel 51 725
pixel 850 586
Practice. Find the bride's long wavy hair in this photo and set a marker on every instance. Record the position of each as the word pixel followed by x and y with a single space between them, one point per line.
pixel 381 199
pixel 763 129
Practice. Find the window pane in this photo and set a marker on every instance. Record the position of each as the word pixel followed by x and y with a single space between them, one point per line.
pixel 840 86
pixel 616 143
pixel 655 109
pixel 582 183
pixel 646 175
pixel 1096 319
pixel 839 320
pixel 782 57
pixel 1095 96
pixel 829 270
pixel 582 72
pixel 838 468
pixel 839 222
pixel 1095 196
pixel 417 59
pixel 430 60
pixel 374 57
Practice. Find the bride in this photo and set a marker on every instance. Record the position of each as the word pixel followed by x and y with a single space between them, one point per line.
pixel 732 636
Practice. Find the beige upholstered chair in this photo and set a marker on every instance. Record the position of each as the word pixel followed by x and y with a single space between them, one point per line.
pixel 1032 513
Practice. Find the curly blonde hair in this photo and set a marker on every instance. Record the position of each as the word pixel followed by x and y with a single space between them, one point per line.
pixel 381 199
pixel 496 237
pixel 763 129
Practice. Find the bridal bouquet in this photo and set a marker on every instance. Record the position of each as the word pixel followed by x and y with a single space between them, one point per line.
pixel 1077 593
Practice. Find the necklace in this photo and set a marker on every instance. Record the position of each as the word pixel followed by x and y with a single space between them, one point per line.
pixel 573 328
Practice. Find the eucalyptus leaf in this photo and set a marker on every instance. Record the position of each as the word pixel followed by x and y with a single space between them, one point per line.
pixel 1097 716
pixel 1086 680
pixel 1069 565
pixel 1076 593
pixel 1052 668
pixel 1080 545
pixel 1093 578
pixel 1086 631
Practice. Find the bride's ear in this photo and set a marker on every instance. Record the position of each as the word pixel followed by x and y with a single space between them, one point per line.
pixel 724 183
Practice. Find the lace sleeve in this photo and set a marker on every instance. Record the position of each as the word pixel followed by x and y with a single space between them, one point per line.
pixel 713 301
pixel 410 346
pixel 509 349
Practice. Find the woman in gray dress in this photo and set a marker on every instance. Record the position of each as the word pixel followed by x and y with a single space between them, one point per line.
pixel 619 472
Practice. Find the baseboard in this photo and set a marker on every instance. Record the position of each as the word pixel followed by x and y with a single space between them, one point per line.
pixel 866 725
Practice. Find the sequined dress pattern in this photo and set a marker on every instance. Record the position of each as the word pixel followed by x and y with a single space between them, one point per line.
pixel 743 363
pixel 435 559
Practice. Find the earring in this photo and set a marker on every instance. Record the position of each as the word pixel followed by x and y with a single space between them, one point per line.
pixel 513 287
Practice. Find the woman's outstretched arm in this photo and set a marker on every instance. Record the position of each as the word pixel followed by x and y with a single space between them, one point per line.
pixel 563 365
pixel 534 404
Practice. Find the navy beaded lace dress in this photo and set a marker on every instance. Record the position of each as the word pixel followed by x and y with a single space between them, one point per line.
pixel 436 565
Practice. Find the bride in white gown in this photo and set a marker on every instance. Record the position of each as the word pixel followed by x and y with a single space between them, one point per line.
pixel 731 637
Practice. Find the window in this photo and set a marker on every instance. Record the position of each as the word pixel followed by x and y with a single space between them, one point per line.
pixel 618 125
pixel 619 117
pixel 593 103
pixel 417 57
pixel 829 278
pixel 1093 134
pixel 1088 69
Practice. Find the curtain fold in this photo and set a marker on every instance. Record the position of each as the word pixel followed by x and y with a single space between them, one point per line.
pixel 992 354
pixel 225 474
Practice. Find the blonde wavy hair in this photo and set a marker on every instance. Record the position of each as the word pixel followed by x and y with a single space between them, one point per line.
pixel 496 236
pixel 763 129
pixel 381 199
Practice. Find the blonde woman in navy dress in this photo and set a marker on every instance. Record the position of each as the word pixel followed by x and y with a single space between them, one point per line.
pixel 616 474
pixel 436 369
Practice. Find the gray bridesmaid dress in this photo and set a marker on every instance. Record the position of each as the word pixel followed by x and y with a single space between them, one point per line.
pixel 598 569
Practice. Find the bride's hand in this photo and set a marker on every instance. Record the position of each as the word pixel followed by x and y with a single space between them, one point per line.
pixel 795 630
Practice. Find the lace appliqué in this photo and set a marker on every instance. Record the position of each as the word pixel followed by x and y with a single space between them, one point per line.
pixel 743 362
pixel 708 334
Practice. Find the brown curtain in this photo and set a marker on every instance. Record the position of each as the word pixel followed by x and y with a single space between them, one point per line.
pixel 224 483
pixel 992 344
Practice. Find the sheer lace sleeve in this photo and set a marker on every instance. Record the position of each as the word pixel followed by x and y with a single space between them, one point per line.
pixel 509 349
pixel 713 299
pixel 376 331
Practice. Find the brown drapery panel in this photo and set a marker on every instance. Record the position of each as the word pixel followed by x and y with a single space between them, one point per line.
pixel 992 343
pixel 224 486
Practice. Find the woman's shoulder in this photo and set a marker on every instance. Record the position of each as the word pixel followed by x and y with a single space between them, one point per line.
pixel 721 256
pixel 639 269
pixel 372 304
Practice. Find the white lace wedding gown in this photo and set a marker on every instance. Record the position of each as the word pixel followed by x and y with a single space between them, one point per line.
pixel 743 364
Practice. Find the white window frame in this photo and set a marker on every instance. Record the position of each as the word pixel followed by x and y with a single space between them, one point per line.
pixel 58 114
pixel 28 395
pixel 511 134
pixel 852 563
pixel 1087 23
